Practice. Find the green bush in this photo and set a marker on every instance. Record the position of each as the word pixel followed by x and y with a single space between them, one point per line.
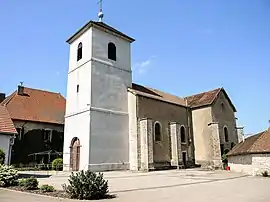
pixel 265 174
pixel 2 156
pixel 29 183
pixel 87 185
pixel 46 188
pixel 21 182
pixel 8 176
pixel 57 164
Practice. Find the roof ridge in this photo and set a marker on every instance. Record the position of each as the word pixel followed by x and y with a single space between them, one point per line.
pixel 43 90
pixel 159 90
pixel 219 89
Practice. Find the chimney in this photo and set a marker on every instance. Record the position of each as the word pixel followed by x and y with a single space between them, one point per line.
pixel 20 89
pixel 2 97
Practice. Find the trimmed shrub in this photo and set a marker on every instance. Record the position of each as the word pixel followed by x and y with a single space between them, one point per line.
pixel 21 182
pixel 265 174
pixel 2 157
pixel 46 188
pixel 29 183
pixel 57 164
pixel 8 176
pixel 87 185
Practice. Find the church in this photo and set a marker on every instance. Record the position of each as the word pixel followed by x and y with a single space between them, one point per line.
pixel 114 124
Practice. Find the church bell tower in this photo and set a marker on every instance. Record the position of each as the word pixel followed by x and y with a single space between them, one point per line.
pixel 96 120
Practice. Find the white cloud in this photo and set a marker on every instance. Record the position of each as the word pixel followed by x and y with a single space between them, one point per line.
pixel 143 67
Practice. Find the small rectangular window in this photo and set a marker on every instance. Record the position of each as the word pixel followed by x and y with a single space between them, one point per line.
pixel 78 88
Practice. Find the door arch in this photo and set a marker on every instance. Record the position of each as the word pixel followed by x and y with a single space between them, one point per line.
pixel 75 154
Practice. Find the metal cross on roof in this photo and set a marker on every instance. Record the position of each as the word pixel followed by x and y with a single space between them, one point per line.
pixel 100 14
pixel 100 4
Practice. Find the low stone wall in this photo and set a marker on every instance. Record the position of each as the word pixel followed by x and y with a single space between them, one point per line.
pixel 252 164
pixel 260 163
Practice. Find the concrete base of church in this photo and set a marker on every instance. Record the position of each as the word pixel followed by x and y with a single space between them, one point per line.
pixel 215 164
pixel 108 167
pixel 102 167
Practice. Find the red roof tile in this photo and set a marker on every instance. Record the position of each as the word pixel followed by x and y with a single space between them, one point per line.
pixel 156 94
pixel 6 124
pixel 201 99
pixel 36 105
pixel 259 143
pixel 206 98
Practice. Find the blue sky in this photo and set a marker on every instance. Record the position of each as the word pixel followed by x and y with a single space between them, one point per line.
pixel 182 47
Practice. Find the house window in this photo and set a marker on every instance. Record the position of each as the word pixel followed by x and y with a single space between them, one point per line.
pixel 47 135
pixel 183 134
pixel 112 51
pixel 157 132
pixel 78 88
pixel 226 134
pixel 79 52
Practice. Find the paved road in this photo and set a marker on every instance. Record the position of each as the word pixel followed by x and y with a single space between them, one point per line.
pixel 169 186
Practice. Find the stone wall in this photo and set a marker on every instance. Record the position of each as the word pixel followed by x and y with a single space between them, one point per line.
pixel 223 114
pixel 133 132
pixel 260 163
pixel 202 135
pixel 241 164
pixel 165 113
pixel 252 164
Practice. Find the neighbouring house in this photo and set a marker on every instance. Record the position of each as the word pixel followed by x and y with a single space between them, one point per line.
pixel 112 123
pixel 38 117
pixel 7 133
pixel 252 155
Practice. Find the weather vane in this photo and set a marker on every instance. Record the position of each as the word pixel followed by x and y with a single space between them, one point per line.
pixel 100 14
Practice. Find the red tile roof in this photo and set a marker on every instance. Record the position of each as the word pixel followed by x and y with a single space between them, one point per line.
pixel 194 101
pixel 36 105
pixel 6 124
pixel 156 94
pixel 206 98
pixel 259 143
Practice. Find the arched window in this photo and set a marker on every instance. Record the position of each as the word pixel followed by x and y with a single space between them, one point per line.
pixel 183 134
pixel 79 52
pixel 112 51
pixel 226 134
pixel 157 131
